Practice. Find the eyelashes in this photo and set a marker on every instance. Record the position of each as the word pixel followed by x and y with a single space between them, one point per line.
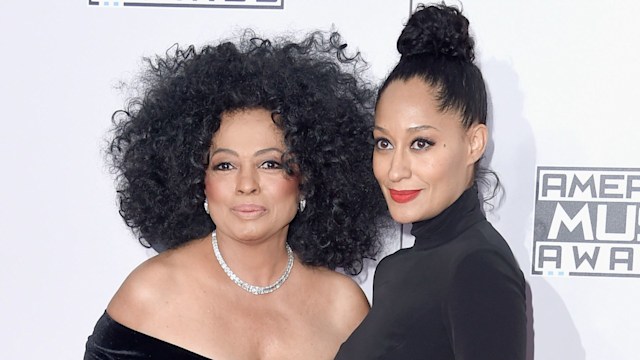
pixel 222 166
pixel 421 144
pixel 265 165
pixel 416 144
pixel 382 144
pixel 271 165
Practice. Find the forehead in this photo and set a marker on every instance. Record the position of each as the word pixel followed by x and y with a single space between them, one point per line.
pixel 413 103
pixel 248 129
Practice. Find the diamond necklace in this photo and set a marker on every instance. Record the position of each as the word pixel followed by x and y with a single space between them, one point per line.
pixel 256 290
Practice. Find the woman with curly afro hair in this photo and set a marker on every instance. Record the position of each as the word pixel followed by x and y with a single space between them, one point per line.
pixel 242 165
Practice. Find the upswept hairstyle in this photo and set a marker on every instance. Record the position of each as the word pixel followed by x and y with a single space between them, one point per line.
pixel 317 96
pixel 436 47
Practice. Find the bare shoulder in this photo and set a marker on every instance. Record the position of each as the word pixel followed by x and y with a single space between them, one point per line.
pixel 146 290
pixel 345 287
pixel 350 305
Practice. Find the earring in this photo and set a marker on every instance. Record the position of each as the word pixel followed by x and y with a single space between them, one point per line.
pixel 206 205
pixel 302 204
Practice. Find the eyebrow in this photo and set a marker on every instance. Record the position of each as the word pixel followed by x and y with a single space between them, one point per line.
pixel 411 129
pixel 257 153
pixel 421 128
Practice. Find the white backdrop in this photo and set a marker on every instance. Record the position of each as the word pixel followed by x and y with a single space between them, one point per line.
pixel 562 77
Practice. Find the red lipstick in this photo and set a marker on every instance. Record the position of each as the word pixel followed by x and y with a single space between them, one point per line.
pixel 403 196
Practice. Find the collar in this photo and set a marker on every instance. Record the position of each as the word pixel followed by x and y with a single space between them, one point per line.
pixel 451 222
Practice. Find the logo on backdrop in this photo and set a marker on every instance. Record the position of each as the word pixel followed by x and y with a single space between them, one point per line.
pixel 587 222
pixel 259 4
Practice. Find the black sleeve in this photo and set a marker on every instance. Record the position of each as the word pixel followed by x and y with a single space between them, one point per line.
pixel 486 308
pixel 113 341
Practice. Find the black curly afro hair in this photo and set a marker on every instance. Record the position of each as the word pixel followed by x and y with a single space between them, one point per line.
pixel 324 107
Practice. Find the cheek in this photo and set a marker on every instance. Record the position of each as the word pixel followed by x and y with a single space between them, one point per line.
pixel 458 164
pixel 379 170
pixel 285 189
pixel 444 172
pixel 432 171
pixel 215 188
pixel 445 163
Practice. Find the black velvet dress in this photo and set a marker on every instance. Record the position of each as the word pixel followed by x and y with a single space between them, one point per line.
pixel 458 293
pixel 113 341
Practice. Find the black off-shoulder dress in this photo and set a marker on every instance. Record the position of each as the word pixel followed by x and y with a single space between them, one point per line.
pixel 113 341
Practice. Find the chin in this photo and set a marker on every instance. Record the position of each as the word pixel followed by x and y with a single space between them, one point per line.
pixel 405 214
pixel 401 216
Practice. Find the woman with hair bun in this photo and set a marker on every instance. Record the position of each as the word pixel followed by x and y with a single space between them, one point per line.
pixel 236 164
pixel 458 293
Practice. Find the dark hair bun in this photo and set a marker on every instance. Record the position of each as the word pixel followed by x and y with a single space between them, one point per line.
pixel 437 30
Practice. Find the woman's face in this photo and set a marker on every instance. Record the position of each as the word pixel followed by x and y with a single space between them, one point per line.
pixel 250 195
pixel 423 158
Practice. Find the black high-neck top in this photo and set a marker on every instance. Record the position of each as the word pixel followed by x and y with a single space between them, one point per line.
pixel 457 294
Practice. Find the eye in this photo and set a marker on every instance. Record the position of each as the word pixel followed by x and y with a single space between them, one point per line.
pixel 383 144
pixel 223 166
pixel 271 165
pixel 421 144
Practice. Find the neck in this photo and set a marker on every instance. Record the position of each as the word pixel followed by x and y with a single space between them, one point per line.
pixel 257 261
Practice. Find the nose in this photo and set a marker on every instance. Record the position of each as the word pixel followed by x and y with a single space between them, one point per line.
pixel 248 181
pixel 400 167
